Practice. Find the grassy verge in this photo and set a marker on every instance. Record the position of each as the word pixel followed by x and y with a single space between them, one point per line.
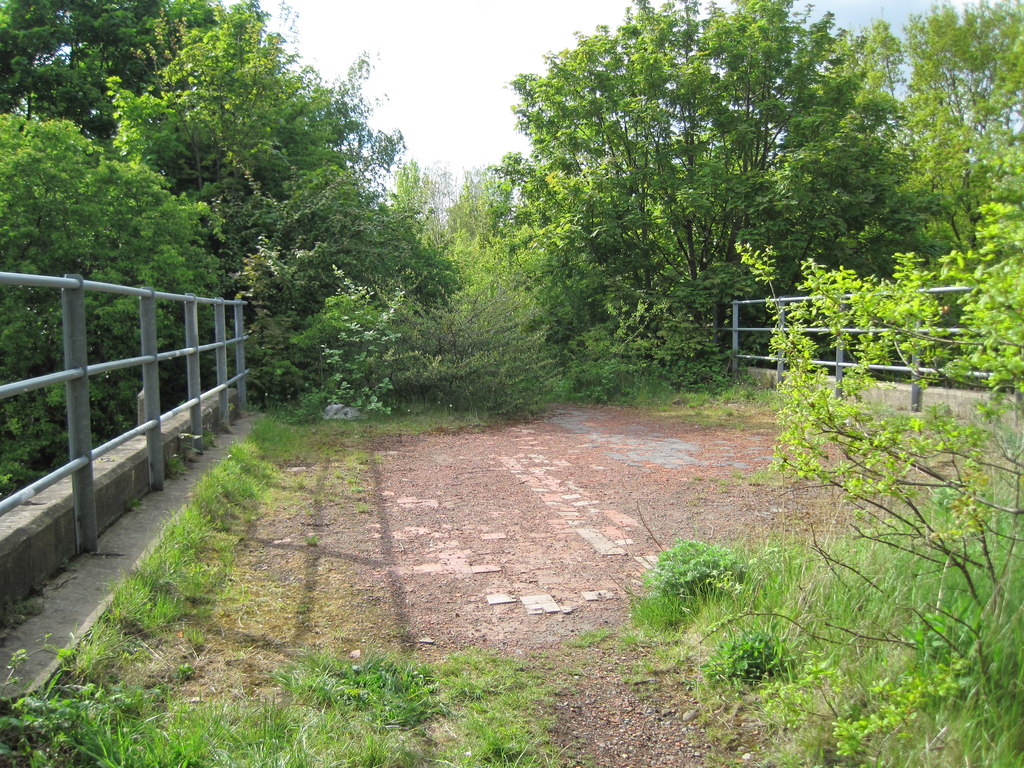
pixel 804 660
pixel 209 657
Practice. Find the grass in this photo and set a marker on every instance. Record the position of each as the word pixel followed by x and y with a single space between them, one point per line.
pixel 14 613
pixel 590 638
pixel 391 691
pixel 861 679
pixel 803 662
pixel 163 680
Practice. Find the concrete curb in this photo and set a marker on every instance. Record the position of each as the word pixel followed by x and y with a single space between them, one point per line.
pixel 74 599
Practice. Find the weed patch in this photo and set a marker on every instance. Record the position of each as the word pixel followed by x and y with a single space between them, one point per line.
pixel 391 691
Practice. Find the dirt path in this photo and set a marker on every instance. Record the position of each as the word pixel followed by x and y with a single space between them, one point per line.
pixel 522 537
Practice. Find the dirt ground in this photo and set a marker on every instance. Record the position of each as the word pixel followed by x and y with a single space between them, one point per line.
pixel 522 537
pixel 515 538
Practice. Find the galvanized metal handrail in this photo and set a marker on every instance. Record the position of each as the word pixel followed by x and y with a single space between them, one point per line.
pixel 77 371
pixel 839 364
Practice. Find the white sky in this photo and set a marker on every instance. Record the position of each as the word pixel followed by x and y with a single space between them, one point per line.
pixel 442 67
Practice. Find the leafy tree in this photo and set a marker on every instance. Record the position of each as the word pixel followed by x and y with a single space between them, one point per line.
pixel 427 194
pixel 57 55
pixel 965 105
pixel 66 208
pixel 234 121
pixel 659 147
pixel 332 237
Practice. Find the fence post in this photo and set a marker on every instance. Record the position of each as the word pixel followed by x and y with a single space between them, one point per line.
pixel 192 370
pixel 221 337
pixel 151 390
pixel 79 418
pixel 780 368
pixel 915 387
pixel 840 359
pixel 240 357
pixel 735 338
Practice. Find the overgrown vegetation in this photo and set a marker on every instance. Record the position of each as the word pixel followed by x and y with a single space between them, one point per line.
pixel 127 697
pixel 181 144
pixel 896 643
pixel 184 144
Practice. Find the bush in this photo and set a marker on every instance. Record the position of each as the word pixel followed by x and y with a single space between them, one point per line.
pixel 694 569
pixel 351 333
pixel 481 350
pixel 747 657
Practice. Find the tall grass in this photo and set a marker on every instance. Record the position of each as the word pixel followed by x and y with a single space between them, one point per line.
pixel 886 663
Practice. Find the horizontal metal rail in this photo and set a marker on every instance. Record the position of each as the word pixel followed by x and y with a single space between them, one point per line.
pixel 791 299
pixel 863 331
pixel 40 485
pixel 840 364
pixel 48 281
pixel 78 370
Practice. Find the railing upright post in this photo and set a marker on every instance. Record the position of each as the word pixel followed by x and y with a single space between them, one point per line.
pixel 151 390
pixel 840 359
pixel 240 357
pixel 780 366
pixel 735 338
pixel 915 386
pixel 192 370
pixel 79 417
pixel 221 337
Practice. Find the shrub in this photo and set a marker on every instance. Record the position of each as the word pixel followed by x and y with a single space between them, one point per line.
pixel 480 350
pixel 353 330
pixel 747 657
pixel 694 569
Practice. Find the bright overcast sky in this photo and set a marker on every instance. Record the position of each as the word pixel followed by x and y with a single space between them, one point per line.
pixel 442 67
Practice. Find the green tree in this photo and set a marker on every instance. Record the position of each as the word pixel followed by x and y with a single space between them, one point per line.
pixel 965 103
pixel 66 208
pixel 57 55
pixel 234 121
pixel 333 236
pixel 427 194
pixel 659 147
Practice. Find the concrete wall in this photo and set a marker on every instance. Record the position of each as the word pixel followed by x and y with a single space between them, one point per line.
pixel 37 538
pixel 897 394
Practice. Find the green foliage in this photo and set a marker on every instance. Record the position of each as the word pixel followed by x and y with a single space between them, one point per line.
pixel 926 587
pixel 392 691
pixel 68 209
pixel 56 56
pixel 481 350
pixel 350 334
pixel 899 702
pixel 660 612
pixel 747 657
pixel 13 613
pixel 695 570
pixel 660 146
pixel 233 106
pixel 964 106
pixel 314 257
pixel 939 485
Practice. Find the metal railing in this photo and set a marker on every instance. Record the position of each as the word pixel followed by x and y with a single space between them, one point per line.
pixel 914 371
pixel 77 371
